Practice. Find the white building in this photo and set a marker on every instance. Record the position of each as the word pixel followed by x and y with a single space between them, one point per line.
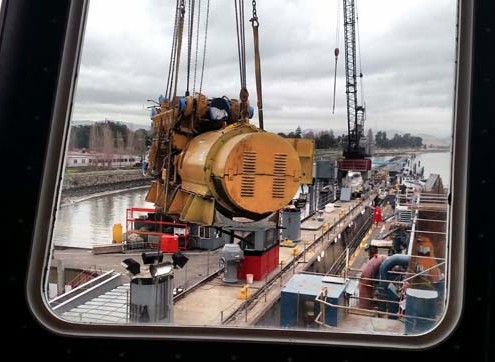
pixel 94 159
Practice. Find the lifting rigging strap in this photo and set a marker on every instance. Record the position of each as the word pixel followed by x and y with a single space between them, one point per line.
pixel 257 65
pixel 241 51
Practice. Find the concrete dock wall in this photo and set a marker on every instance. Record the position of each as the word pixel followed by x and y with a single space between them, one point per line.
pixel 86 183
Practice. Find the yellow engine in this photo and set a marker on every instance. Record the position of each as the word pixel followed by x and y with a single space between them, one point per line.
pixel 237 170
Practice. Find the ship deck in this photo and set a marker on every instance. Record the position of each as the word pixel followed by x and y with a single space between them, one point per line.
pixel 210 301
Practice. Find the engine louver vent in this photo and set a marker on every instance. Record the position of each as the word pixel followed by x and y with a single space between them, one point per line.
pixel 248 174
pixel 279 171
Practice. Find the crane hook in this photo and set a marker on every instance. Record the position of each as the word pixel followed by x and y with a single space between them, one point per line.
pixel 336 52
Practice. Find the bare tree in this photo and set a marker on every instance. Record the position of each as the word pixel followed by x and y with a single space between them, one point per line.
pixel 93 138
pixel 370 142
pixel 120 147
pixel 140 142
pixel 131 142
pixel 108 144
pixel 96 142
pixel 308 135
pixel 73 131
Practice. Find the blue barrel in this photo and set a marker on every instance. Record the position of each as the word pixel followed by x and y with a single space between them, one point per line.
pixel 420 303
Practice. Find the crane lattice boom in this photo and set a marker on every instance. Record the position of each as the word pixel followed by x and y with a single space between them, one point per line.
pixel 354 152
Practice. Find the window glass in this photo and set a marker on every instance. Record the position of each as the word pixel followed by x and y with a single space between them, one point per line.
pixel 314 140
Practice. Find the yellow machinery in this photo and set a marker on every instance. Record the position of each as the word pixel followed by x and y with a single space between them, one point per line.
pixel 117 235
pixel 206 165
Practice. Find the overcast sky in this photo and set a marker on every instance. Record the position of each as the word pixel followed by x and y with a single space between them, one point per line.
pixel 406 54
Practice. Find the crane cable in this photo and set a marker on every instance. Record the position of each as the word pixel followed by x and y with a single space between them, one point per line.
pixel 336 53
pixel 178 46
pixel 257 64
pixel 172 79
pixel 204 45
pixel 358 40
pixel 241 40
pixel 170 76
pixel 190 31
pixel 196 48
pixel 167 162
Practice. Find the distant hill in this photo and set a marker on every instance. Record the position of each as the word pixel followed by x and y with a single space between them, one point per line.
pixel 428 139
pixel 82 123
pixel 130 125
pixel 434 140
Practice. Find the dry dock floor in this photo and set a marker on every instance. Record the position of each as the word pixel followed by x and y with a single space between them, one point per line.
pixel 216 302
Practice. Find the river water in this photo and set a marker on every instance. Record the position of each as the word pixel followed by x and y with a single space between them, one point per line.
pixel 90 222
pixel 433 162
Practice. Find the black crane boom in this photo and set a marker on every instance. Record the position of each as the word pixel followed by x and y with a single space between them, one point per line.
pixel 354 151
pixel 355 112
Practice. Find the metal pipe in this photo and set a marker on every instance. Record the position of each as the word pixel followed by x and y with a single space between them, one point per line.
pixel 369 270
pixel 388 264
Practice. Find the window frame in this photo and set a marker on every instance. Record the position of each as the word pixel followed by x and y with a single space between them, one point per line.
pixel 52 180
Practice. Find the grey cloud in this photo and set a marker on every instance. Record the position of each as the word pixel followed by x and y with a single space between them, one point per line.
pixel 408 64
